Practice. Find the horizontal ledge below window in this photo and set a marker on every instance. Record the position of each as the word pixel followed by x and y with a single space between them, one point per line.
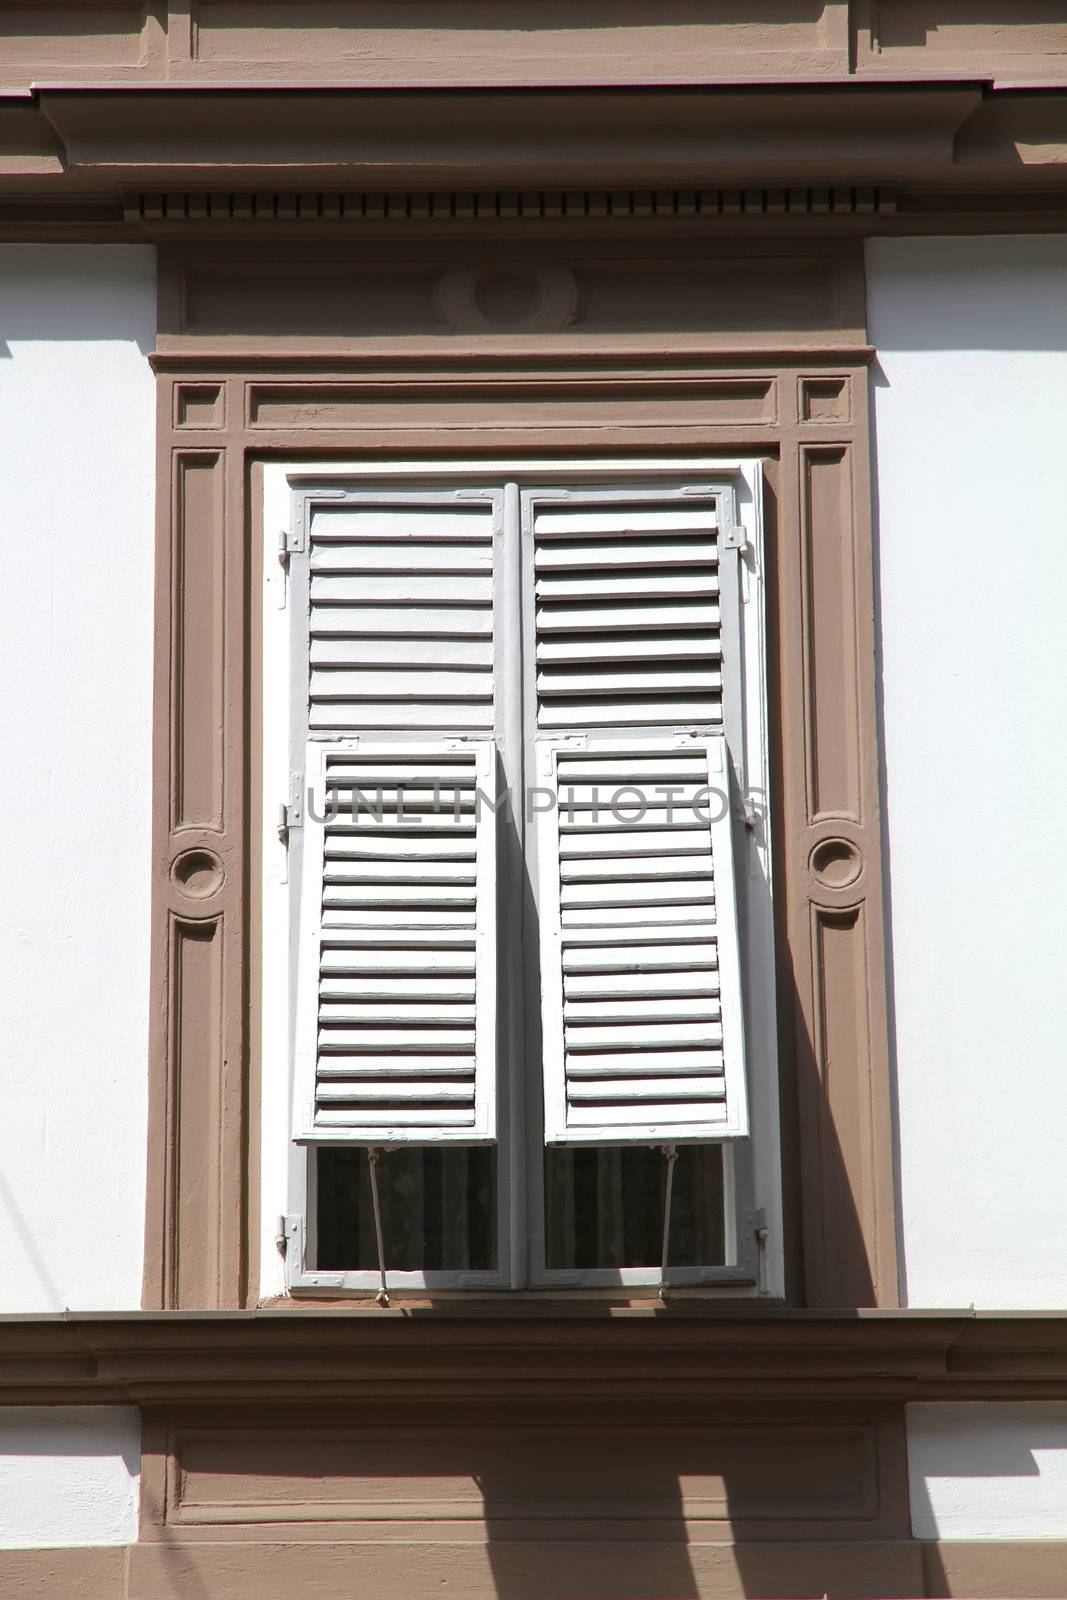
pixel 517 1349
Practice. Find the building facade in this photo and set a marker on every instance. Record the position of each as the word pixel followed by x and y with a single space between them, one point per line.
pixel 419 422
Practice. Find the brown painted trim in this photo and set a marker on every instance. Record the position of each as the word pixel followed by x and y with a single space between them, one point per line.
pixel 76 1574
pixel 527 1571
pixel 989 208
pixel 955 132
pixel 988 1568
pixel 169 212
pixel 522 44
pixel 196 1234
pixel 404 1471
pixel 829 845
pixel 524 1350
pixel 563 393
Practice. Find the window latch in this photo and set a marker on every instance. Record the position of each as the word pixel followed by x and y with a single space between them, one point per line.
pixel 736 538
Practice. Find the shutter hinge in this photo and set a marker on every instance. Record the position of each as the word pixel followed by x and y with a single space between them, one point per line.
pixel 760 1234
pixel 291 814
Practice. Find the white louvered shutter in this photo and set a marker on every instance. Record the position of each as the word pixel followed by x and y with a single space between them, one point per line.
pixel 643 1036
pixel 628 620
pixel 636 637
pixel 396 1013
pixel 399 611
pixel 393 615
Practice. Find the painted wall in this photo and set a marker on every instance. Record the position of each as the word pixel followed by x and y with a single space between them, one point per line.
pixel 69 1475
pixel 994 1470
pixel 76 491
pixel 970 402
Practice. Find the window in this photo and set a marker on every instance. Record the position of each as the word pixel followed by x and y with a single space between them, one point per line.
pixel 517 941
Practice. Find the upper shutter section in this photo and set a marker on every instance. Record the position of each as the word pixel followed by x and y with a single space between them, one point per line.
pixel 641 1001
pixel 396 986
pixel 627 609
pixel 400 611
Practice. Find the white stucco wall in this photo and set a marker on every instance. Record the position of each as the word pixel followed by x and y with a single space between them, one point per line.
pixel 970 402
pixel 76 502
pixel 993 1470
pixel 69 1475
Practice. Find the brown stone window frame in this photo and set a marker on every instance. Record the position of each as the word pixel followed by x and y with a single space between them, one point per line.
pixel 797 397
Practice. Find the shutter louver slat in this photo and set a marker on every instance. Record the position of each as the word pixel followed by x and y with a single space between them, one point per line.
pixel 398 1029
pixel 627 615
pixel 401 618
pixel 641 980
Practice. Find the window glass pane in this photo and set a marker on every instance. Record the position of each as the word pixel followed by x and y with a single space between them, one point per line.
pixel 605 1208
pixel 438 1210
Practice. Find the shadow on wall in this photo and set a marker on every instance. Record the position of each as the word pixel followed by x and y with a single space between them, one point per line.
pixel 16 1230
pixel 878 380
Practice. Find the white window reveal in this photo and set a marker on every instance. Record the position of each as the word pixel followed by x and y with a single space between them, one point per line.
pixel 525 874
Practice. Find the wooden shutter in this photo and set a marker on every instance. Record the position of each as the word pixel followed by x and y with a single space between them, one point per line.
pixel 396 984
pixel 399 611
pixel 643 1035
pixel 627 611
pixel 393 604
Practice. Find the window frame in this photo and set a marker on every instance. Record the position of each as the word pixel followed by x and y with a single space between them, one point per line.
pixel 753 1177
pixel 799 397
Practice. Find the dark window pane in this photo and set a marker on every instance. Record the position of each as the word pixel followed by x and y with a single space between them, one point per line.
pixel 438 1210
pixel 605 1208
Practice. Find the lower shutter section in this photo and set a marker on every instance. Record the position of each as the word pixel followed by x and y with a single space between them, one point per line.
pixel 643 1035
pixel 397 964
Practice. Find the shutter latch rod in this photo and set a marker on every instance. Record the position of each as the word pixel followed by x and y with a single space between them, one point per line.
pixel 670 1151
pixel 374 1157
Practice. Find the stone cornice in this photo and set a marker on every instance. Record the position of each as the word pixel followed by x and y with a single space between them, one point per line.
pixel 518 1351
pixel 159 157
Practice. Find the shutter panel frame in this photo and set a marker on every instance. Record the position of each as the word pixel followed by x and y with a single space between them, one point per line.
pixel 565 1075
pixel 399 1055
pixel 629 593
pixel 392 595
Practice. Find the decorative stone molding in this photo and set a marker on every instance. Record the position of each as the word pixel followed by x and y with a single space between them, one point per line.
pixel 524 1350
pixel 662 353
pixel 177 209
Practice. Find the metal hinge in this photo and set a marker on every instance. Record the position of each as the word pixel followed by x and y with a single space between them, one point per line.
pixel 291 813
pixel 760 1233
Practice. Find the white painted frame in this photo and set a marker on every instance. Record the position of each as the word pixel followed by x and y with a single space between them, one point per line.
pixel 755 1202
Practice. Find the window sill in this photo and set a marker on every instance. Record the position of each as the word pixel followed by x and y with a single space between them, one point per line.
pixel 553 1352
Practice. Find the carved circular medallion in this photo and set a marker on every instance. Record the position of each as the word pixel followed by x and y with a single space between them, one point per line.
pixel 507 298
pixel 836 863
pixel 198 873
